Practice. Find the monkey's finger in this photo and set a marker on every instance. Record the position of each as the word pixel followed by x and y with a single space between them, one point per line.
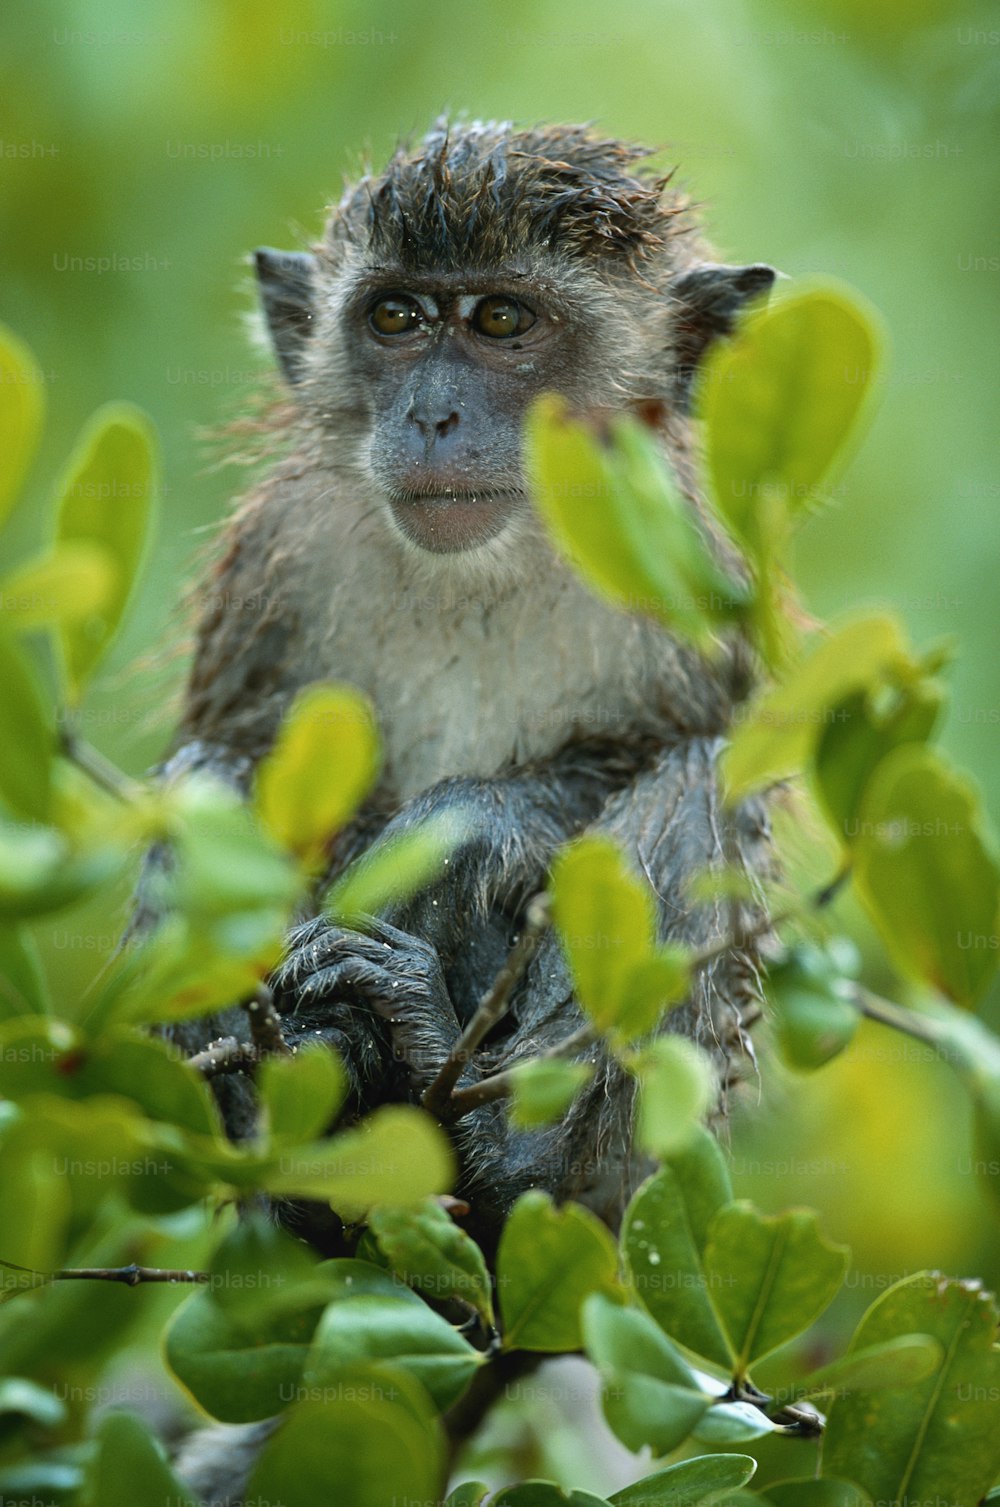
pixel 352 976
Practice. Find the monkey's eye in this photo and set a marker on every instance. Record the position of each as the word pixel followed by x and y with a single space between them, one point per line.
pixel 395 315
pixel 500 317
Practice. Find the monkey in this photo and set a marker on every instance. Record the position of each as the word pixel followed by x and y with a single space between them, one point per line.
pixel 395 546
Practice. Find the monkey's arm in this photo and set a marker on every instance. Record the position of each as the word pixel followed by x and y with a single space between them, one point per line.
pixel 671 823
pixel 424 977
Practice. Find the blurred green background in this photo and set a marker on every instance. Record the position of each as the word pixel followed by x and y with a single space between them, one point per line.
pixel 828 138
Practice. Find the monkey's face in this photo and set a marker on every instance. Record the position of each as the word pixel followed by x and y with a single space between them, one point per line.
pixel 482 268
pixel 423 377
pixel 450 364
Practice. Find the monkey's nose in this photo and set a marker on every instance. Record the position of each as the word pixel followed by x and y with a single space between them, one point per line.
pixel 433 425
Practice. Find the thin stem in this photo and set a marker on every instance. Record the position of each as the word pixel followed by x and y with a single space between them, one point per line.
pixel 227 1055
pixel 265 1025
pixel 501 1085
pixel 898 1018
pixel 131 1275
pixel 819 900
pixel 105 775
pixel 492 1006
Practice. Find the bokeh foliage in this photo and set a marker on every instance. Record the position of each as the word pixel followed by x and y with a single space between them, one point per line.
pixel 833 138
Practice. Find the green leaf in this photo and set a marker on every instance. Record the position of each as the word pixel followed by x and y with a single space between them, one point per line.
pixel 39 872
pixel 605 916
pixel 812 1004
pixel 394 868
pixel 894 1363
pixel 107 498
pixel 242 1364
pixel 258 1269
pixel 27 747
pixel 927 874
pixel 690 1484
pixel 544 1088
pixel 938 1437
pixel 425 1247
pixel 301 1095
pixel 106 1147
pixel 396 1156
pixel 780 401
pixel 548 1261
pixel 813 1493
pixel 649 1394
pixel 372 1442
pixel 28 1400
pixel 129 1467
pixel 65 585
pixel 663 1239
pixel 733 1423
pixel 224 862
pixel 23 989
pixel 323 763
pixel 546 1494
pixel 769 1276
pixel 679 1085
pixel 616 514
pixel 21 411
pixel 182 971
pixel 656 984
pixel 469 1494
pixel 777 731
pixel 409 1335
pixel 36 1208
pixel 857 736
pixel 39 1055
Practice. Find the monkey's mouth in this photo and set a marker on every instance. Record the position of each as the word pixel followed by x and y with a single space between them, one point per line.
pixel 447 521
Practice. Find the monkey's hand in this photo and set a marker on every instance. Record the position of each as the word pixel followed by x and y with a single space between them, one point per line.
pixel 378 996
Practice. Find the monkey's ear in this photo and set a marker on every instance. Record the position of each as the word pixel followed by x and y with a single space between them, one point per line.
pixel 285 279
pixel 709 298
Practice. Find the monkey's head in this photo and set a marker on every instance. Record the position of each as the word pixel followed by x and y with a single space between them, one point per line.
pixel 483 268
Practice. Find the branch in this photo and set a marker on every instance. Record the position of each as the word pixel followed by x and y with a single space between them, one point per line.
pixel 105 775
pixel 227 1055
pixel 899 1018
pixel 265 1025
pixel 501 1085
pixel 493 1005
pixel 818 901
pixel 131 1276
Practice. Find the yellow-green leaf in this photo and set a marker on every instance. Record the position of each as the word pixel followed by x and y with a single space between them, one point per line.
pixel 679 1085
pixel 778 730
pixel 396 1156
pixel 22 405
pixel 781 400
pixel 614 510
pixel 106 499
pixel 928 874
pixel 27 745
pixel 604 914
pixel 323 764
pixel 69 582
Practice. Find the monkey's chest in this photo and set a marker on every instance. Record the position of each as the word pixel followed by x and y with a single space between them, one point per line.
pixel 486 694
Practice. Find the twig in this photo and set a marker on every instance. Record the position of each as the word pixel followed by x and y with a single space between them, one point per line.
pixel 492 1006
pixel 898 1018
pixel 107 776
pixel 227 1055
pixel 500 1085
pixel 819 900
pixel 265 1025
pixel 131 1275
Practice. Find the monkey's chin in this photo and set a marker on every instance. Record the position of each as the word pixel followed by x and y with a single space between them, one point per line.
pixel 450 523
